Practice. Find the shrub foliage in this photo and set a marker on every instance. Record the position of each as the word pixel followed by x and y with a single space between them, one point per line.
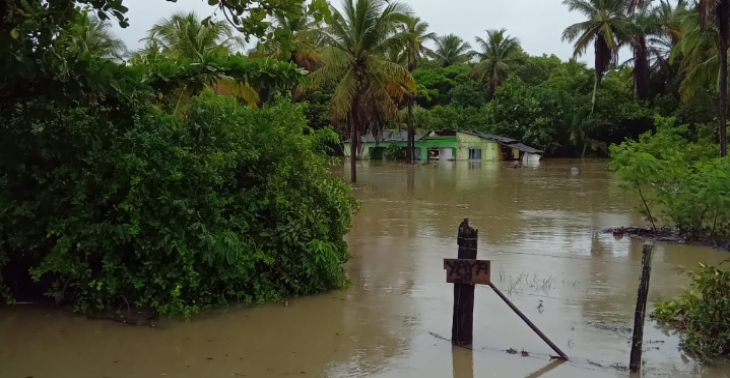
pixel 128 204
pixel 704 311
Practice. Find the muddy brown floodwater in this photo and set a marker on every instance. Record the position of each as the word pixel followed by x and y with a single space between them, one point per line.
pixel 539 226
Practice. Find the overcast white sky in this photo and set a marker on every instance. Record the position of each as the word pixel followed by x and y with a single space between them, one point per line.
pixel 537 23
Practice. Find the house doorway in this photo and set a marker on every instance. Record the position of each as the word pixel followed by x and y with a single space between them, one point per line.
pixel 377 153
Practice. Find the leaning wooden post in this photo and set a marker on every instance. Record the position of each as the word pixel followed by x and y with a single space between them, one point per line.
pixel 638 337
pixel 463 320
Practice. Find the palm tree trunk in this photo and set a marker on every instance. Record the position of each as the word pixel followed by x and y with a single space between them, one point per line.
pixel 595 88
pixel 641 71
pixel 722 108
pixel 353 145
pixel 410 145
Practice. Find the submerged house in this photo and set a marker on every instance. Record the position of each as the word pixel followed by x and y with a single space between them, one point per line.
pixel 450 145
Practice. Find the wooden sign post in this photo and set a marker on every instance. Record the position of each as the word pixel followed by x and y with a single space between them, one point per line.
pixel 461 272
pixel 464 273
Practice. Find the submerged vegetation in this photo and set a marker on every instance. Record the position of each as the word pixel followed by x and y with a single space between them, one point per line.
pixel 702 311
pixel 678 180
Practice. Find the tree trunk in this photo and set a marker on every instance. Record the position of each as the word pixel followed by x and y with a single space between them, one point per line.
pixel 410 145
pixel 641 71
pixel 353 147
pixel 722 108
pixel 595 88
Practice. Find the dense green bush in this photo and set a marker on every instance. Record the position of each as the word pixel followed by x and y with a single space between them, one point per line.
pixel 435 84
pixel 115 204
pixel 394 152
pixel 677 181
pixel 703 310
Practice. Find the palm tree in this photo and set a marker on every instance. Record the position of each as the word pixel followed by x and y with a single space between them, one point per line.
pixel 149 53
pixel 304 32
pixel 664 40
pixel 414 33
pixel 719 12
pixel 606 28
pixel 647 26
pixel 353 57
pixel 499 54
pixel 703 49
pixel 451 50
pixel 697 49
pixel 92 35
pixel 670 18
pixel 570 74
pixel 306 53
pixel 633 4
pixel 657 32
pixel 184 35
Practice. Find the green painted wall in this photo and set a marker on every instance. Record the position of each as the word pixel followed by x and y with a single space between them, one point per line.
pixel 367 148
pixel 428 143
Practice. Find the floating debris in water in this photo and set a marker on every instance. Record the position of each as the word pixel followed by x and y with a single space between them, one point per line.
pixel 511 351
pixel 594 363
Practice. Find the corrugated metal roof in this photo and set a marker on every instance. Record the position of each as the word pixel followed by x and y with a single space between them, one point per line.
pixel 495 138
pixel 387 136
pixel 524 148
pixel 509 142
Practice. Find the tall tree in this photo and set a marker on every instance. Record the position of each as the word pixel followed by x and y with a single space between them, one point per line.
pixel 698 55
pixel 606 28
pixel 717 12
pixel 670 18
pixel 415 34
pixel 304 30
pixel 306 49
pixel 353 57
pixel 184 35
pixel 646 26
pixel 92 35
pixel 451 50
pixel 703 49
pixel 499 54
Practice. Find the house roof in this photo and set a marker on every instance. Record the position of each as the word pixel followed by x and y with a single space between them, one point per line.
pixel 495 138
pixel 509 142
pixel 524 148
pixel 387 136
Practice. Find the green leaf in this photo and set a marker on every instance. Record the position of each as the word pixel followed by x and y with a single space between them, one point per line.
pixel 14 33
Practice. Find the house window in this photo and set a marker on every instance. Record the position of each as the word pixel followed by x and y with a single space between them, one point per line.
pixel 475 154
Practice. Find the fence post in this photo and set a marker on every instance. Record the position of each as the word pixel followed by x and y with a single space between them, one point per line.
pixel 637 340
pixel 463 320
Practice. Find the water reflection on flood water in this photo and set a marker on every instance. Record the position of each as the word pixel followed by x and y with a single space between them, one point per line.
pixel 540 227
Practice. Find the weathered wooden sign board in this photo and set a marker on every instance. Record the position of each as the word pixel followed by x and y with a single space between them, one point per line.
pixel 467 271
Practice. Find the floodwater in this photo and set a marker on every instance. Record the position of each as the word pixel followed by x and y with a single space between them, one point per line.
pixel 539 226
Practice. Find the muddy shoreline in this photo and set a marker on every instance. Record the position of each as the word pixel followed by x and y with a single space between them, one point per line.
pixel 667 235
